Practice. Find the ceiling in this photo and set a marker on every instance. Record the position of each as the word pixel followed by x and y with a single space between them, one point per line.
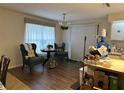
pixel 75 11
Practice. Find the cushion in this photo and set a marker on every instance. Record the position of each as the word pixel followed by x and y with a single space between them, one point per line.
pixel 35 60
pixel 30 50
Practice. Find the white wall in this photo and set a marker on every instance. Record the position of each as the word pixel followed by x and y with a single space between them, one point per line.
pixel 78 34
pixel 58 34
pixel 12 30
pixel 103 23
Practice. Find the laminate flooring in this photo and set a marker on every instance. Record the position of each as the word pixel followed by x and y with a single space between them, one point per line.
pixel 60 78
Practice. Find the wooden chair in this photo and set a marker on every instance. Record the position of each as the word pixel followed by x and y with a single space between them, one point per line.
pixel 4 63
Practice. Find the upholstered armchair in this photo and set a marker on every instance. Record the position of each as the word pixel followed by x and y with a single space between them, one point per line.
pixel 31 61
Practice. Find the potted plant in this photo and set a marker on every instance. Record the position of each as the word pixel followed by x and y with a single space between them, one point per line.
pixel 49 46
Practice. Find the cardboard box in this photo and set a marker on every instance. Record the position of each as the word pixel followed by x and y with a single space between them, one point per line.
pixel 100 80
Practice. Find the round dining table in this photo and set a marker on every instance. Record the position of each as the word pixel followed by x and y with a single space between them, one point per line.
pixel 48 51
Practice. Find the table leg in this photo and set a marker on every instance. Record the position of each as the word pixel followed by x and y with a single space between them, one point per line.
pixel 47 59
pixel 81 72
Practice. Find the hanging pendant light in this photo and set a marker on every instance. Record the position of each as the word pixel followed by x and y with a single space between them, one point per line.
pixel 64 24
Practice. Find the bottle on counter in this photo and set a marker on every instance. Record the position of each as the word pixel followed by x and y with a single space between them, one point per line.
pixel 113 49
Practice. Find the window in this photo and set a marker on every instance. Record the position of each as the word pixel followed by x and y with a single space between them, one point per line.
pixel 117 30
pixel 40 35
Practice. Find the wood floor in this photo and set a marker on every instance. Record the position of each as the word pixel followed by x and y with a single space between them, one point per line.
pixel 12 83
pixel 60 78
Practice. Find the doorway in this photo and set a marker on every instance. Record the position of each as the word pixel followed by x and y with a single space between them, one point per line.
pixel 77 35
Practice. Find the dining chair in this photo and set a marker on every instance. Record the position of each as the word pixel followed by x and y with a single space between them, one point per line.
pixel 4 63
pixel 60 51
pixel 59 48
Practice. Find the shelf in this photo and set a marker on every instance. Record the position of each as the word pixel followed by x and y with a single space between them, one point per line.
pixel 85 87
pixel 96 88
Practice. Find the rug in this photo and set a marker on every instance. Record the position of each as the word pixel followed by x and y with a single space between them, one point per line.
pixel 12 83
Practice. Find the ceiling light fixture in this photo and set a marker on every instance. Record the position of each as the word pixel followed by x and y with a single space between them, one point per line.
pixel 64 24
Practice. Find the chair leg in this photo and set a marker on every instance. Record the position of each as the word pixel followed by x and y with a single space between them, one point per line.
pixel 30 69
pixel 44 63
pixel 43 67
pixel 23 67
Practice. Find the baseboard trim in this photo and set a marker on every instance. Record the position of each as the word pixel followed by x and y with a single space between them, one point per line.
pixel 11 67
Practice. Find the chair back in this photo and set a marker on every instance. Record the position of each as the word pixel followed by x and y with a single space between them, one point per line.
pixel 4 63
pixel 55 46
pixel 63 46
pixel 25 53
pixel 59 48
pixel 34 46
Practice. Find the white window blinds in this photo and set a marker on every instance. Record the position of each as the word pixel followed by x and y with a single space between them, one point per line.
pixel 41 35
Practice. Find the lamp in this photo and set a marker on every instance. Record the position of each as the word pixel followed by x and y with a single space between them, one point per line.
pixel 64 24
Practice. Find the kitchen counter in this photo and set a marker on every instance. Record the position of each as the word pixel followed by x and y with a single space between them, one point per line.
pixel 108 64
